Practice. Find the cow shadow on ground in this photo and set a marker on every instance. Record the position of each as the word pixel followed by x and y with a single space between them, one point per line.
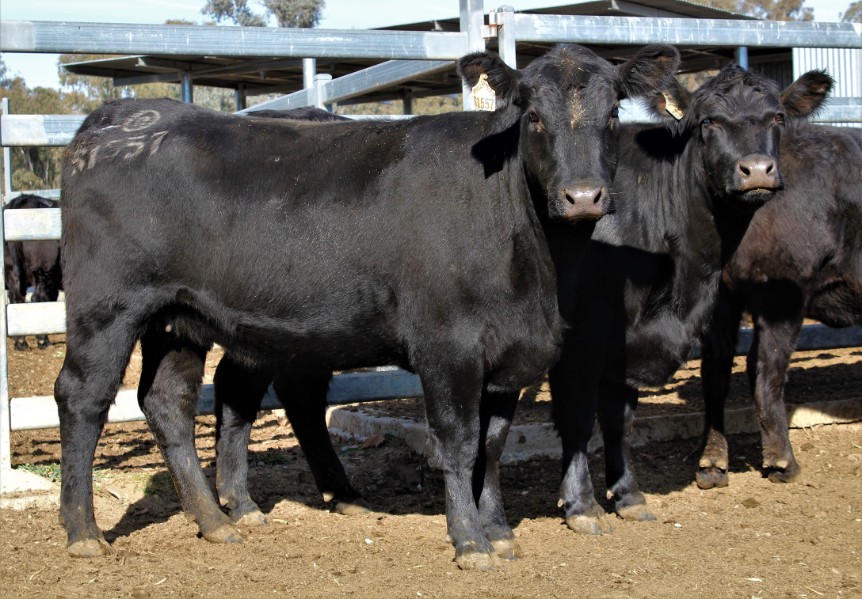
pixel 395 480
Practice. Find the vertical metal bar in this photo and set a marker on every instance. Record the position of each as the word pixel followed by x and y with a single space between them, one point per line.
pixel 407 101
pixel 241 97
pixel 741 57
pixel 5 423
pixel 187 88
pixel 7 159
pixel 472 19
pixel 320 83
pixel 506 35
pixel 309 70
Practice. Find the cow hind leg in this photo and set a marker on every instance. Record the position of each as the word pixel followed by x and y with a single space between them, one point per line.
pixel 87 384
pixel 496 414
pixel 303 395
pixel 168 392
pixel 767 369
pixel 617 403
pixel 238 395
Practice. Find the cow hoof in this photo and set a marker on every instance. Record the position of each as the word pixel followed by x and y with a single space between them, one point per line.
pixel 89 548
pixel 783 476
pixel 476 561
pixel 226 533
pixel 507 549
pixel 636 513
pixel 709 478
pixel 352 508
pixel 589 525
pixel 252 518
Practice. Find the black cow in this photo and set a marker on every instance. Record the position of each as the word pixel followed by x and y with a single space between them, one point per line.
pixel 32 264
pixel 238 391
pixel 306 248
pixel 645 286
pixel 801 256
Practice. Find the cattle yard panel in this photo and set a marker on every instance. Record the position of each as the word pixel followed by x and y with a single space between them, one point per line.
pixel 409 54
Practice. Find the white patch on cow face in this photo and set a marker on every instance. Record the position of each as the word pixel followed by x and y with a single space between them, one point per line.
pixel 576 109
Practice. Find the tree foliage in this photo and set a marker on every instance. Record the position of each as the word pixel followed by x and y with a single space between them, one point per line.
pixel 776 10
pixel 853 14
pixel 287 13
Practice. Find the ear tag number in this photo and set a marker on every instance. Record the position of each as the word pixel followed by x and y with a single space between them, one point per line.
pixel 484 97
pixel 671 107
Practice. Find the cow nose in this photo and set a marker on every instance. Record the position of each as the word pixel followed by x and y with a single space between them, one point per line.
pixel 757 172
pixel 585 201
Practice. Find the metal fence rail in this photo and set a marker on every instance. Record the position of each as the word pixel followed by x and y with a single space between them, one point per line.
pixel 409 54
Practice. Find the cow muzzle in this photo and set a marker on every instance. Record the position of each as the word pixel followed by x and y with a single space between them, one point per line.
pixel 588 200
pixel 757 178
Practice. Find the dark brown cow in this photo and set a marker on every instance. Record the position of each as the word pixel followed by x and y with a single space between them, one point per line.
pixel 801 256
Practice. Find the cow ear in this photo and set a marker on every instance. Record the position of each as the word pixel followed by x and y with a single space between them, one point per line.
pixel 502 78
pixel 806 95
pixel 651 69
pixel 672 102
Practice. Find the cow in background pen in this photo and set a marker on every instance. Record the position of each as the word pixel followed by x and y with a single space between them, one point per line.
pixel 33 264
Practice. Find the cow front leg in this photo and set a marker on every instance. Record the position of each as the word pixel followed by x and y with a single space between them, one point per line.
pixel 617 404
pixel 574 396
pixel 168 392
pixel 239 392
pixel 496 413
pixel 87 384
pixel 718 347
pixel 303 395
pixel 452 401
pixel 768 362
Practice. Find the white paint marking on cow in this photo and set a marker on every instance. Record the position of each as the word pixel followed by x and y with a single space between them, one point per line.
pixel 141 120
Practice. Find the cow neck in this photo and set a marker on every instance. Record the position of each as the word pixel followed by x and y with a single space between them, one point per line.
pixel 497 149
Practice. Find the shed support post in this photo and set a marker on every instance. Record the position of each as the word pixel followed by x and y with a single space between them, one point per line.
pixel 407 101
pixel 309 71
pixel 741 57
pixel 241 98
pixel 187 88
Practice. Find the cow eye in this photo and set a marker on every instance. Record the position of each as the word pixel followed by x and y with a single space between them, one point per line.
pixel 615 113
pixel 534 118
pixel 706 122
pixel 779 119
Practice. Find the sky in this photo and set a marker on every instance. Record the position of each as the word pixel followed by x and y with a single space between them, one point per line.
pixel 41 69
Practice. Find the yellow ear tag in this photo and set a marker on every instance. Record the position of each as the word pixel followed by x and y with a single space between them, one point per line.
pixel 671 107
pixel 483 94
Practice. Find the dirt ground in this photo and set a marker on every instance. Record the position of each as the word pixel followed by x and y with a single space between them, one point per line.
pixel 751 539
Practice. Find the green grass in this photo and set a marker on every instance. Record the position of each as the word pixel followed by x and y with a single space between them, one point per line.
pixel 53 473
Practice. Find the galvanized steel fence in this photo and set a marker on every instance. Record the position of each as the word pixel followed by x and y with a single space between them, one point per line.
pixel 407 55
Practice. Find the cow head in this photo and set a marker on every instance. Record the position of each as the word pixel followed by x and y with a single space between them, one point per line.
pixel 567 104
pixel 736 118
